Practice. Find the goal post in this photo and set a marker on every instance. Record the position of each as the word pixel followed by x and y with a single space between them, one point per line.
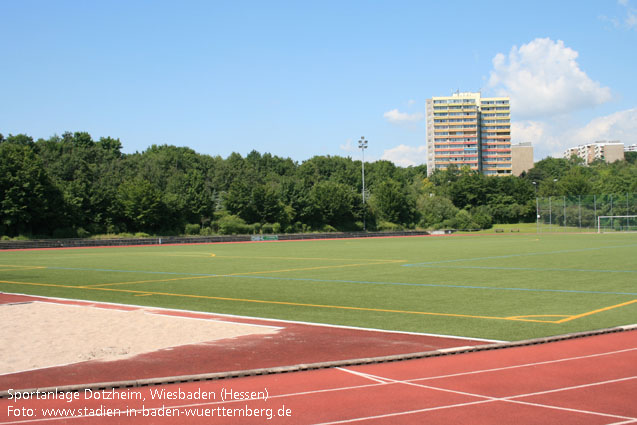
pixel 616 223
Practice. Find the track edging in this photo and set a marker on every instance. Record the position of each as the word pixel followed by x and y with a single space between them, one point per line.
pixel 146 382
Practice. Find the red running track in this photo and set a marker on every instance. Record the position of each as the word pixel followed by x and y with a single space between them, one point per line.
pixel 590 380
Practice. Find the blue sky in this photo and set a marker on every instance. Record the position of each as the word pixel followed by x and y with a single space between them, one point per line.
pixel 301 78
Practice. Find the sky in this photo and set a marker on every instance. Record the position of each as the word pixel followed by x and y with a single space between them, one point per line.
pixel 304 78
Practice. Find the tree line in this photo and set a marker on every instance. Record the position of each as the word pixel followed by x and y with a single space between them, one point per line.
pixel 74 186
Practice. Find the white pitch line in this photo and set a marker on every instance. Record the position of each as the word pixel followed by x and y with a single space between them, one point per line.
pixel 295 322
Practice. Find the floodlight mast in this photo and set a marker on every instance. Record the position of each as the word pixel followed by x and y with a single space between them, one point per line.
pixel 362 144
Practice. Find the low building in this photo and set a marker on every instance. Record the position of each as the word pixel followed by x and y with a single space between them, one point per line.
pixel 521 158
pixel 604 151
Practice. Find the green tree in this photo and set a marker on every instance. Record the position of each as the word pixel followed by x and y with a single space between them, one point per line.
pixel 576 182
pixel 392 203
pixel 435 210
pixel 469 190
pixel 29 201
pixel 333 204
pixel 141 205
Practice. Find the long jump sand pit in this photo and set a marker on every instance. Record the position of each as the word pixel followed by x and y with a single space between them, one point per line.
pixel 37 335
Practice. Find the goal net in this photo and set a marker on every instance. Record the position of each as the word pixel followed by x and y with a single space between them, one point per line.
pixel 616 223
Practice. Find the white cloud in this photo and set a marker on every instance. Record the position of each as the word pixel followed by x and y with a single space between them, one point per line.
pixel 631 18
pixel 396 117
pixel 543 78
pixel 629 21
pixel 543 135
pixel 528 131
pixel 631 15
pixel 552 138
pixel 348 146
pixel 405 156
pixel 620 126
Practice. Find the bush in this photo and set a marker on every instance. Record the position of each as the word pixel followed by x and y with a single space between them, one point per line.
pixel 329 229
pixel 112 229
pixel 142 235
pixel 192 229
pixel 481 217
pixel 387 225
pixel 82 233
pixel 464 221
pixel 436 211
pixel 233 225
pixel 206 231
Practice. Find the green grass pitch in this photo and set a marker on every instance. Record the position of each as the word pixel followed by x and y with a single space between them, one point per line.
pixel 502 286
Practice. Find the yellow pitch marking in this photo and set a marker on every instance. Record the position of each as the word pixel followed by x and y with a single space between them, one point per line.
pixel 18 268
pixel 528 317
pixel 278 258
pixel 599 310
pixel 311 258
pixel 233 274
pixel 144 281
pixel 288 303
pixel 311 268
pixel 146 293
pixel 22 266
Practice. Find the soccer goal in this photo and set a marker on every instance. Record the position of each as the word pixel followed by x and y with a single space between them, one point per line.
pixel 616 223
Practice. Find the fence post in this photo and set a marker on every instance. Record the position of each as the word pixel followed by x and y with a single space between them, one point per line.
pixel 579 205
pixel 550 215
pixel 611 211
pixel 564 200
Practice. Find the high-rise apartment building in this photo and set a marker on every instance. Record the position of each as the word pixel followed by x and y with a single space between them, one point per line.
pixel 467 129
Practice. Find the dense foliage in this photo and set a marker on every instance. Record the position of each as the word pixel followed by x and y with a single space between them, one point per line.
pixel 71 185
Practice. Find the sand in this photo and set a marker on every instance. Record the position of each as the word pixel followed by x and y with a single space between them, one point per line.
pixel 39 334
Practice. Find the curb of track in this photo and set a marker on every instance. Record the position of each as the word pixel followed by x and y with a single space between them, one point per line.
pixel 136 383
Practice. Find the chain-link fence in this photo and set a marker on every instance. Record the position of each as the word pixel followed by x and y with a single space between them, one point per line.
pixel 579 213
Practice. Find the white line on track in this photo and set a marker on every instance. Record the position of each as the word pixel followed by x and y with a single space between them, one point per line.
pixel 497 369
pixel 487 399
pixel 382 381
pixel 366 376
